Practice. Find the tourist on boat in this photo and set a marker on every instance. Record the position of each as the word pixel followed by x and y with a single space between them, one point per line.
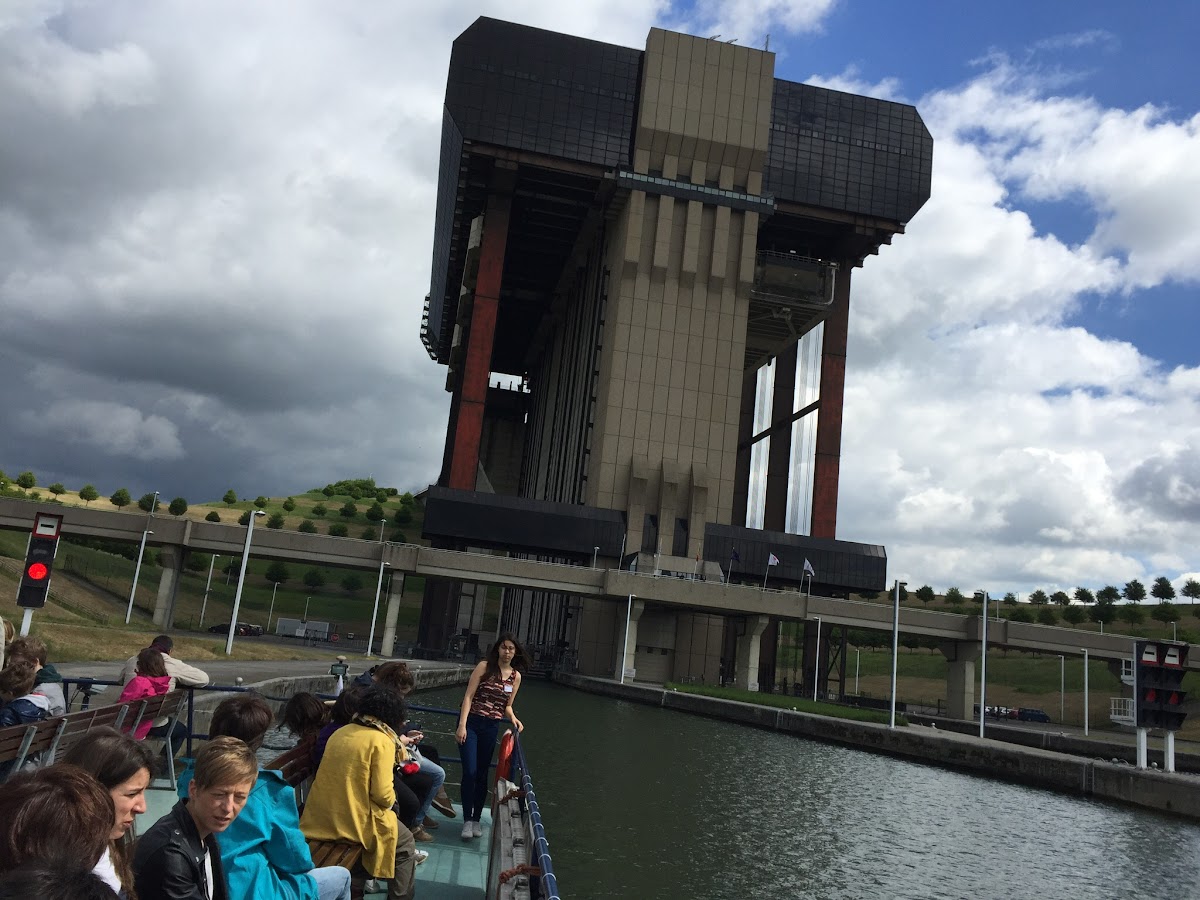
pixel 181 674
pixel 43 882
pixel 399 677
pixel 179 857
pixel 489 699
pixel 19 704
pixel 304 715
pixel 263 851
pixel 151 680
pixel 353 794
pixel 123 767
pixel 48 681
pixel 58 816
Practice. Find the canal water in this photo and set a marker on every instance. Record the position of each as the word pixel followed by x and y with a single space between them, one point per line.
pixel 641 802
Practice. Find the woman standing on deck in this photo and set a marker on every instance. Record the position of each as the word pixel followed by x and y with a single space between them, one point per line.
pixel 490 694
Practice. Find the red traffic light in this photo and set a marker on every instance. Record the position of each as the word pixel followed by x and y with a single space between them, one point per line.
pixel 37 571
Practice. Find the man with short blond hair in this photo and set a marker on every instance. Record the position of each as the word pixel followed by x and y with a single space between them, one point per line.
pixel 179 858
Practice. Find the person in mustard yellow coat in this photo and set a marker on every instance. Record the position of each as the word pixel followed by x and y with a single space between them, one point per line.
pixel 352 796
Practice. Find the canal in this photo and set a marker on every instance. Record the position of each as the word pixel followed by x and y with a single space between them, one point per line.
pixel 650 803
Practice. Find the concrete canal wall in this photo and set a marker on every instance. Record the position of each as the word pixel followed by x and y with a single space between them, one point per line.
pixel 1057 771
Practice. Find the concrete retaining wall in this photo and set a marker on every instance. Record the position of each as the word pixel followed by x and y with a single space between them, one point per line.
pixel 1057 771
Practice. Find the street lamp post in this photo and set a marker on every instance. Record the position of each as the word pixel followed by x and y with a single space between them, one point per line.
pixel 378 589
pixel 307 600
pixel 1062 688
pixel 237 597
pixel 895 646
pixel 1085 692
pixel 1174 633
pixel 817 659
pixel 595 551
pixel 625 648
pixel 137 569
pixel 856 671
pixel 271 612
pixel 983 664
pixel 207 588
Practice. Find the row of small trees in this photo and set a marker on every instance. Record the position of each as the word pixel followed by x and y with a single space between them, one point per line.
pixel 121 498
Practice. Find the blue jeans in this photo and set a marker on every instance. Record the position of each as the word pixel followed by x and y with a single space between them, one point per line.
pixel 429 767
pixel 477 752
pixel 333 883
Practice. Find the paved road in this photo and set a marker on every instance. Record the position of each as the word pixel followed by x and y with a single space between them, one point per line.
pixel 225 671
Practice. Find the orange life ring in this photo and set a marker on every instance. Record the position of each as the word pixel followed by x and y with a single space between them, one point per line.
pixel 504 761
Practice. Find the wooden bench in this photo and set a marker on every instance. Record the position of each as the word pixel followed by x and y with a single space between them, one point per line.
pixel 297 769
pixel 348 856
pixel 53 737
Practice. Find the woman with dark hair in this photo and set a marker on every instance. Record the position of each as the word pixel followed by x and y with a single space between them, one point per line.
pixel 123 767
pixel 42 882
pixel 489 699
pixel 304 715
pixel 263 850
pixel 59 817
pixel 150 681
pixel 353 794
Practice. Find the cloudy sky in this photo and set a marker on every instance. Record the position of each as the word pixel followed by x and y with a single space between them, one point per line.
pixel 216 224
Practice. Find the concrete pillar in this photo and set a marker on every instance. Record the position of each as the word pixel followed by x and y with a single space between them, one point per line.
pixel 960 678
pixel 746 667
pixel 168 586
pixel 388 643
pixel 627 646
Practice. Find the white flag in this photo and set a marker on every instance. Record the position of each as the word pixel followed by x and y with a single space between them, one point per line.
pixel 809 569
pixel 772 560
pixel 339 687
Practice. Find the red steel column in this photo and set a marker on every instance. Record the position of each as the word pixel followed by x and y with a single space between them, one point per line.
pixel 827 465
pixel 477 361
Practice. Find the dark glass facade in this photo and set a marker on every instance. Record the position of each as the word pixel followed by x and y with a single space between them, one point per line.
pixel 845 564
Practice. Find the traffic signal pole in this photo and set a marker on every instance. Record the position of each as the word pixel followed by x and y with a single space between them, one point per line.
pixel 34 586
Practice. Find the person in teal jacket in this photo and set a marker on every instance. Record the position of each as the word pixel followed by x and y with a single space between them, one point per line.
pixel 263 850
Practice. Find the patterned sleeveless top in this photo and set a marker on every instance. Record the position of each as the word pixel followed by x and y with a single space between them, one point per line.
pixel 491 696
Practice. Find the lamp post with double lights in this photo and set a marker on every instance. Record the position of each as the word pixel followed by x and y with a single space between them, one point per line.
pixel 895 646
pixel 207 588
pixel 137 569
pixel 237 597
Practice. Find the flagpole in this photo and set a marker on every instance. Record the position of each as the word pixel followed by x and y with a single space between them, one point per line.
pixel 765 571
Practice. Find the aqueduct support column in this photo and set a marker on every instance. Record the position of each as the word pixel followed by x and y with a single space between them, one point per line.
pixel 746 674
pixel 960 678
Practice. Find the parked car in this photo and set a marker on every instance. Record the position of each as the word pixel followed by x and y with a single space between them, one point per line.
pixel 244 629
pixel 1025 714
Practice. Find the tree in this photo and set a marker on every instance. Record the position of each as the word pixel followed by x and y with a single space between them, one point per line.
pixel 402 516
pixel 307 527
pixel 88 493
pixel 260 501
pixel 925 594
pixel 1039 598
pixel 368 534
pixel 338 529
pixel 319 510
pixel 1060 598
pixel 26 480
pixel 314 578
pixel 1166 612
pixel 1104 613
pixel 1075 615
pixel 275 520
pixel 244 518
pixel 57 489
pixel 1191 589
pixel 352 583
pixel 230 567
pixel 903 594
pixel 407 499
pixel 120 499
pixel 1084 596
pixel 954 596
pixel 277 573
pixel 1108 594
pixel 196 562
pixel 349 510
pixel 230 497
pixel 375 513
pixel 178 507
pixel 213 516
pixel 1020 614
pixel 148 503
pixel 1134 591
pixel 398 537
pixel 328 490
pixel 1163 589
pixel 1047 616
pixel 869 595
pixel 1010 599
pixel 381 496
pixel 1131 613
pixel 289 505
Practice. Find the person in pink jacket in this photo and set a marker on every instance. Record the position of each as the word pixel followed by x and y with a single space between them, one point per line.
pixel 150 681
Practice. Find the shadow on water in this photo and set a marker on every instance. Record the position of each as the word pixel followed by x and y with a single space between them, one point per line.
pixel 651 803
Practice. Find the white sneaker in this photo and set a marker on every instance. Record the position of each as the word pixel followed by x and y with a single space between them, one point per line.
pixel 421 856
pixel 467 832
pixel 476 829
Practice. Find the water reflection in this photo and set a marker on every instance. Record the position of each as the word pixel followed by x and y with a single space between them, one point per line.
pixel 651 803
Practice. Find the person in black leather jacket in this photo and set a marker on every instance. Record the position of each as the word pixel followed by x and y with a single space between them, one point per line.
pixel 179 858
